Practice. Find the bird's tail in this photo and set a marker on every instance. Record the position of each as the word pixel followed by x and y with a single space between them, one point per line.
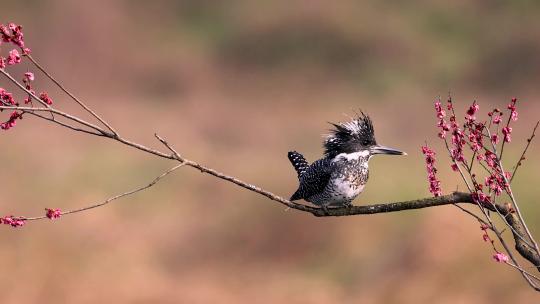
pixel 298 161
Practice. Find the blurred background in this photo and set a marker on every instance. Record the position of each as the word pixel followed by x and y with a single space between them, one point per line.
pixel 235 85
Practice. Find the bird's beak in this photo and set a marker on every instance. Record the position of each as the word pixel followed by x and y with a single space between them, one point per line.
pixel 386 150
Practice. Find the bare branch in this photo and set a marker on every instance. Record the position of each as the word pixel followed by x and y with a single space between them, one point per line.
pixel 105 202
pixel 166 144
pixel 77 100
pixel 522 157
pixel 53 120
pixel 55 111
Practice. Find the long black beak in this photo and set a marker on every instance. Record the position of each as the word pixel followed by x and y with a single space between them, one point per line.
pixel 386 150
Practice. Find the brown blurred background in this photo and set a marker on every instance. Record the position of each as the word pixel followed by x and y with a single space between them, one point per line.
pixel 235 85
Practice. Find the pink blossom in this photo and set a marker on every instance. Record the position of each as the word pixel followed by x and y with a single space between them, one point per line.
pixel 28 99
pixel 13 33
pixel 495 139
pixel 480 197
pixel 496 183
pixel 507 131
pixel 475 132
pixel 490 159
pixel 2 62
pixel 12 221
pixel 443 126
pixel 500 257
pixel 434 183
pixel 458 140
pixel 14 57
pixel 455 167
pixel 449 105
pixel 6 98
pixel 28 76
pixel 512 108
pixel 3 29
pixel 472 111
pixel 480 157
pixel 514 115
pixel 53 213
pixel 439 110
pixel 11 122
pixel 457 155
pixel 45 98
pixel 476 136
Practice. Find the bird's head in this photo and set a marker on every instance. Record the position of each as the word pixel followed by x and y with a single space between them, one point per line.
pixel 356 135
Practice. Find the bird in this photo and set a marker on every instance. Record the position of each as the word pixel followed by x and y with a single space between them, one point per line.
pixel 341 174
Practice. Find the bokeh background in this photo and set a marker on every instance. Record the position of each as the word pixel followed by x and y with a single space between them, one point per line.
pixel 235 85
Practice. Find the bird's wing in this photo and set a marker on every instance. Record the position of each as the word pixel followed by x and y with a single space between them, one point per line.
pixel 314 179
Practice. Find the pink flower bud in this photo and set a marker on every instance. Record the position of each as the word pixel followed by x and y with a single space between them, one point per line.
pixel 507 131
pixel 53 213
pixel 434 183
pixel 12 221
pixel 14 57
pixel 45 98
pixel 500 257
pixel 28 76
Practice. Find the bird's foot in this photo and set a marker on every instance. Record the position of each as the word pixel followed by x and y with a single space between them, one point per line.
pixel 325 209
pixel 348 205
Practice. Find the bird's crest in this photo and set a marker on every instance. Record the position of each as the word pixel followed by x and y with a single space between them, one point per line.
pixel 350 136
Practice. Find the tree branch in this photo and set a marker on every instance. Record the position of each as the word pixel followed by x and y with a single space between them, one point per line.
pixel 509 214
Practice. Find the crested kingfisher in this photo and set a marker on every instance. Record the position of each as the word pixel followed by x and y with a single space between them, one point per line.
pixel 340 176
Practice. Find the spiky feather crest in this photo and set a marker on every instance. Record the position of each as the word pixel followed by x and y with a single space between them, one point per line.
pixel 351 136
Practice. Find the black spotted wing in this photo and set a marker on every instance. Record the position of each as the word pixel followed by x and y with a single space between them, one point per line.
pixel 314 179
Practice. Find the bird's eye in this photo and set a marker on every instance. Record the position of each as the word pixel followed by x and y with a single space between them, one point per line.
pixel 365 142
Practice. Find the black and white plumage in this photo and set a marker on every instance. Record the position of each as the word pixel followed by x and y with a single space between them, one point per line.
pixel 340 176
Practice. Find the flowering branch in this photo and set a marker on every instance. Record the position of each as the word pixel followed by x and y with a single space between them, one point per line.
pixel 472 134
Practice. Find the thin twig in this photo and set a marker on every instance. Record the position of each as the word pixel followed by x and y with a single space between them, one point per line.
pixel 525 271
pixel 166 144
pixel 64 114
pixel 471 214
pixel 152 183
pixel 53 120
pixel 77 100
pixel 522 157
pixel 458 166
